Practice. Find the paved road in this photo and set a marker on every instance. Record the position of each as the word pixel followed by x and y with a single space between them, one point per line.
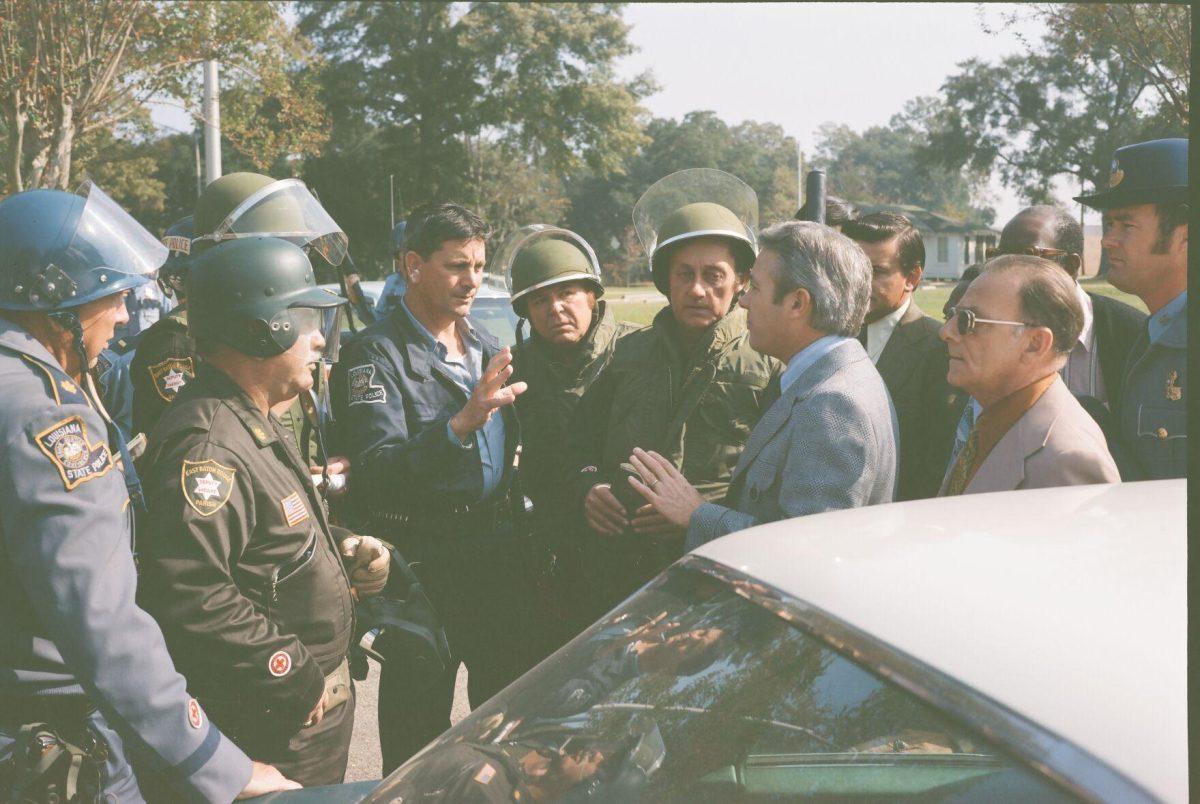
pixel 364 746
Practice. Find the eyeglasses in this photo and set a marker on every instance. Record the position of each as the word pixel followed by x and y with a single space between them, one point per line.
pixel 966 320
pixel 1028 251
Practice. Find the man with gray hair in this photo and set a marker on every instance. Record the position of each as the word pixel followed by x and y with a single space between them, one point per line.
pixel 1008 338
pixel 828 441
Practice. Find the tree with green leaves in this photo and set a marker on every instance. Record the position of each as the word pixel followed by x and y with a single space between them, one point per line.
pixel 882 165
pixel 492 104
pixel 1063 107
pixel 71 70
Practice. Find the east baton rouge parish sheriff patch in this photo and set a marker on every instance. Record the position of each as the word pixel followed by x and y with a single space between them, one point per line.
pixel 171 375
pixel 206 485
pixel 362 389
pixel 77 459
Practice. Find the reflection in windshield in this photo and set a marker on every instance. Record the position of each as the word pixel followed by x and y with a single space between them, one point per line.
pixel 688 692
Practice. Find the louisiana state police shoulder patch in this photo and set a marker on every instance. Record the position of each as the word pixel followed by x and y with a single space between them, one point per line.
pixel 206 485
pixel 362 389
pixel 76 458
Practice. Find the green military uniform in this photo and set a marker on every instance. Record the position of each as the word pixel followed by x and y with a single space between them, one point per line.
pixel 694 406
pixel 239 563
pixel 535 258
pixel 164 363
pixel 695 403
pixel 547 410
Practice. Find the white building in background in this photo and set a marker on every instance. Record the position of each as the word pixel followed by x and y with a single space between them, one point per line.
pixel 950 245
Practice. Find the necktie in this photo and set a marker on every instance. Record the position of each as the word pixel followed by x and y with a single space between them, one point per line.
pixel 963 429
pixel 962 467
pixel 770 394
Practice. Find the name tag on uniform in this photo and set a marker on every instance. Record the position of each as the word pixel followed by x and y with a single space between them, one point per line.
pixel 294 509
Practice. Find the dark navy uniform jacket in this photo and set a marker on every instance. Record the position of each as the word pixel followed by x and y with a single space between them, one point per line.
pixel 1152 409
pixel 393 401
pixel 68 621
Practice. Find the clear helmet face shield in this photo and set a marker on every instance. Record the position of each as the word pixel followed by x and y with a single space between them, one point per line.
pixel 527 236
pixel 108 252
pixel 325 320
pixel 286 209
pixel 696 185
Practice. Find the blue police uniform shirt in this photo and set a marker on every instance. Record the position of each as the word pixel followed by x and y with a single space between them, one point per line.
pixel 466 374
pixel 1161 321
pixel 69 624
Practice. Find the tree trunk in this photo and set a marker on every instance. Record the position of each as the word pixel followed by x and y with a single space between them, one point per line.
pixel 15 122
pixel 58 169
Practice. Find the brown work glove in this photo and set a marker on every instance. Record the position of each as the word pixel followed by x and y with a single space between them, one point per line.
pixel 367 561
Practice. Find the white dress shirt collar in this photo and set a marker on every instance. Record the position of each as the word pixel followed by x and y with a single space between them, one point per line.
pixel 880 332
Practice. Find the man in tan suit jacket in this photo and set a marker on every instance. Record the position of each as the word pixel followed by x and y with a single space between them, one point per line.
pixel 1007 339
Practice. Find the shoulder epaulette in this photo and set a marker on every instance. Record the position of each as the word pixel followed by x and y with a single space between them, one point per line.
pixel 64 390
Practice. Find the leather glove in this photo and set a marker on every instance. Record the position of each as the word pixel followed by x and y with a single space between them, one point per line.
pixel 368 562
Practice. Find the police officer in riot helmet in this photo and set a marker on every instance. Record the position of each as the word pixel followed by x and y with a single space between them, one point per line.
pixel 76 653
pixel 240 565
pixel 555 285
pixel 137 385
pixel 689 384
pixel 234 206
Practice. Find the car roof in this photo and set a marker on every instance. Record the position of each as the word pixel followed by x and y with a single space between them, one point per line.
pixel 1066 605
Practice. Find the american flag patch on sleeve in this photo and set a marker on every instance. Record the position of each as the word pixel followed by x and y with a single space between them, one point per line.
pixel 294 509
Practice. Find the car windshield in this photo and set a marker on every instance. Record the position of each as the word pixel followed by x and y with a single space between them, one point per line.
pixel 690 692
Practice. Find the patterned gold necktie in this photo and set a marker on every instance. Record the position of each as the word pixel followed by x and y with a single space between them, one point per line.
pixel 962 467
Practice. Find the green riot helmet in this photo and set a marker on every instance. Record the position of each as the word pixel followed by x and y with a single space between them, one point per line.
pixel 538 255
pixel 258 295
pixel 172 276
pixel 241 205
pixel 700 202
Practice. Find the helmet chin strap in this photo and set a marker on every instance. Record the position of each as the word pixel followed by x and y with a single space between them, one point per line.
pixel 69 320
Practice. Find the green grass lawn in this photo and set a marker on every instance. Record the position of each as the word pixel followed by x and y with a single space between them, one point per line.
pixel 931 297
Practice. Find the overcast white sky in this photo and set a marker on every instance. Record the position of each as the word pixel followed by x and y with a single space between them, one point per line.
pixel 802 64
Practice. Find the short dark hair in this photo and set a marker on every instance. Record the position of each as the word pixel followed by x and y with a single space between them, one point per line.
pixel 433 224
pixel 1170 216
pixel 1048 297
pixel 879 227
pixel 838 212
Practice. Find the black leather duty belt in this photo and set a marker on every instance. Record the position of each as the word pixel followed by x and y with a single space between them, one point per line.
pixel 476 519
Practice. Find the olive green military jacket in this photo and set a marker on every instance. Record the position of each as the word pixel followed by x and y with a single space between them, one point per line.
pixel 695 408
pixel 547 407
pixel 164 362
pixel 239 564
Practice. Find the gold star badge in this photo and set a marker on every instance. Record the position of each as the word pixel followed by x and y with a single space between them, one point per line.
pixel 1173 392
pixel 1116 177
pixel 68 386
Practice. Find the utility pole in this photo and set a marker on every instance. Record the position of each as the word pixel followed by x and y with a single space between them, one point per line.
pixel 211 112
pixel 799 176
pixel 199 166
pixel 212 123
